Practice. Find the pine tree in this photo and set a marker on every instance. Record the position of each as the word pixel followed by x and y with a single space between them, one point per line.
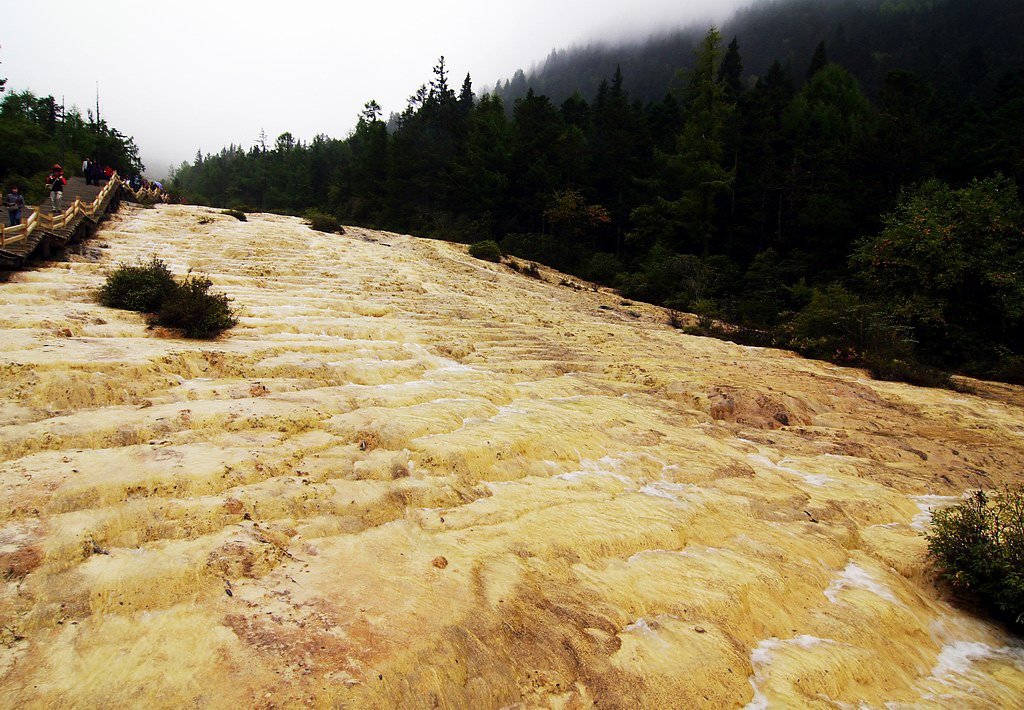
pixel 818 62
pixel 700 148
pixel 616 140
pixel 730 73
pixel 466 94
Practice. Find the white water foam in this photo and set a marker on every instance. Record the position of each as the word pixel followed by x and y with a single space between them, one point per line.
pixel 957 658
pixel 928 505
pixel 605 466
pixel 668 490
pixel 856 577
pixel 815 479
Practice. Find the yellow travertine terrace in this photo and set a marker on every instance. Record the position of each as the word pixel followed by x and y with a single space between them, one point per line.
pixel 409 478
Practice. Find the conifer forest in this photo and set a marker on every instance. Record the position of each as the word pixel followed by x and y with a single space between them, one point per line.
pixel 843 179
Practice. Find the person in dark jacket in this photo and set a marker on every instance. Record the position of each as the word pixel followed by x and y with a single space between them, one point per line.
pixel 14 202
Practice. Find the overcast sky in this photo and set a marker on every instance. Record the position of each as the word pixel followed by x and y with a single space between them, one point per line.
pixel 185 75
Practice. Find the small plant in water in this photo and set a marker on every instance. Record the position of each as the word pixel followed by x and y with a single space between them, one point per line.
pixel 488 250
pixel 196 311
pixel 323 222
pixel 137 287
pixel 189 306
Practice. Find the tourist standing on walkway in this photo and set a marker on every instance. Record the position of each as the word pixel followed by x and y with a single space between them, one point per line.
pixel 94 172
pixel 56 183
pixel 85 170
pixel 14 202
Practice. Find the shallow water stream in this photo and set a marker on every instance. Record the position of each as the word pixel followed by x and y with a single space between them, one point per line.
pixel 410 478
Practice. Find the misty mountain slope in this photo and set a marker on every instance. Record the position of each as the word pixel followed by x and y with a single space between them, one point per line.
pixel 410 478
pixel 966 47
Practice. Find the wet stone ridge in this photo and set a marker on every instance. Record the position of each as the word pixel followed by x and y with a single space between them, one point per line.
pixel 410 478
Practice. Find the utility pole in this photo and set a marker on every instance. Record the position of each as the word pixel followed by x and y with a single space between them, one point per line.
pixel 63 130
pixel 98 133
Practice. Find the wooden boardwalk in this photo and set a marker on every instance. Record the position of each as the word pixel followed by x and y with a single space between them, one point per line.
pixel 45 231
pixel 76 188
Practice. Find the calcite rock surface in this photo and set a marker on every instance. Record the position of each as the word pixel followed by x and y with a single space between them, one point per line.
pixel 410 478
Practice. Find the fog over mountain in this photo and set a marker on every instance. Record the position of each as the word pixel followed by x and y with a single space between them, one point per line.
pixel 945 41
pixel 207 75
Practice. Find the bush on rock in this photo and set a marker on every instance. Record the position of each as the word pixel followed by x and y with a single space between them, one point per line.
pixel 979 547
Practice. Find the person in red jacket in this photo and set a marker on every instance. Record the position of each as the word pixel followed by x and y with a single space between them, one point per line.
pixel 56 183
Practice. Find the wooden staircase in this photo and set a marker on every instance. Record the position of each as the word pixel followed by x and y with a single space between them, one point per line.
pixel 43 231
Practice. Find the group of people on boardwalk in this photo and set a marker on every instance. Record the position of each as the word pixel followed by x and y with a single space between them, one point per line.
pixel 93 172
pixel 14 201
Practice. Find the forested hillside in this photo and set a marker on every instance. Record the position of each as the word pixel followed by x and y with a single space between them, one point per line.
pixel 965 46
pixel 35 133
pixel 856 198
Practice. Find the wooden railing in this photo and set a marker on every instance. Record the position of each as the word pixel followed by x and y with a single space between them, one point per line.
pixel 146 195
pixel 52 222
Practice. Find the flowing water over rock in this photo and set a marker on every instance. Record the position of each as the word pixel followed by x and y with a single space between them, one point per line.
pixel 409 478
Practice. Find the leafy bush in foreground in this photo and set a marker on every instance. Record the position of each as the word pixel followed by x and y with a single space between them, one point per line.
pixel 198 313
pixel 979 547
pixel 188 306
pixel 138 287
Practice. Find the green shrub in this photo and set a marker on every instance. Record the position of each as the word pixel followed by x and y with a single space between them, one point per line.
pixel 488 250
pixel 979 548
pixel 323 222
pixel 237 214
pixel 197 312
pixel 139 287
pixel 188 306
